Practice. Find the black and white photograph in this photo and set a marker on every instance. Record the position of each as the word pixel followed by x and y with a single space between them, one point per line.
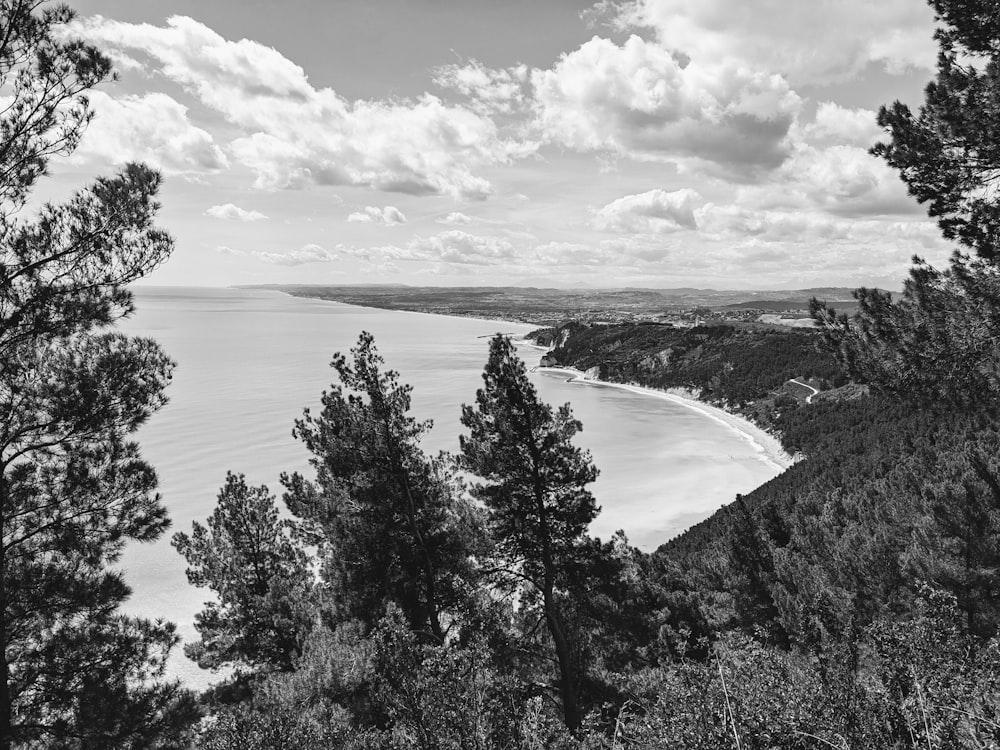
pixel 500 375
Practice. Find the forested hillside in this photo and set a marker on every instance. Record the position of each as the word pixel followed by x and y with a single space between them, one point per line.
pixel 741 368
pixel 888 499
pixel 892 494
pixel 850 601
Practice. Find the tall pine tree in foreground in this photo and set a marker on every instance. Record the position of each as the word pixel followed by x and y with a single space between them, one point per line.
pixel 534 486
pixel 73 488
pixel 389 522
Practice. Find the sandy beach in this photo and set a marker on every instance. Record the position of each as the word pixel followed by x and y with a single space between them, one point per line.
pixel 766 445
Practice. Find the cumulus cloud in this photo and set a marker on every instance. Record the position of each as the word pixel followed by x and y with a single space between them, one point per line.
pixel 388 216
pixel 639 100
pixel 843 126
pixel 734 222
pixel 456 246
pixel 310 253
pixel 707 88
pixel 232 212
pixel 807 42
pixel 829 169
pixel 294 134
pixel 734 245
pixel 153 128
pixel 653 212
pixel 455 218
pixel 491 90
pixel 452 246
pixel 306 254
pixel 813 229
pixel 841 180
pixel 847 180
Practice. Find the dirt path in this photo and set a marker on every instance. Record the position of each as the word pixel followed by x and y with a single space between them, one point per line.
pixel 809 398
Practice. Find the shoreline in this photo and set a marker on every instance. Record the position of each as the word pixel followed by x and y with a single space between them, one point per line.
pixel 516 334
pixel 764 443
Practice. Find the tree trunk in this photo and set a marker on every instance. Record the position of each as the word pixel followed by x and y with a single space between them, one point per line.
pixel 567 678
pixel 5 700
pixel 430 590
pixel 433 615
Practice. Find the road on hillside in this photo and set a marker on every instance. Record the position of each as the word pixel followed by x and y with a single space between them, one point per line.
pixel 809 398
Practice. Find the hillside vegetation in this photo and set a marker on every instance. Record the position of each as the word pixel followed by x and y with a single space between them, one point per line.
pixel 743 369
pixel 849 601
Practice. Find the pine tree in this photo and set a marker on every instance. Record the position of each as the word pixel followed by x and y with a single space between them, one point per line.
pixel 958 547
pixel 389 521
pixel 73 487
pixel 938 339
pixel 949 152
pixel 261 576
pixel 534 487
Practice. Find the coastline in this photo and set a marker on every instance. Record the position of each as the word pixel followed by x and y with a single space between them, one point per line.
pixel 764 443
pixel 767 446
pixel 514 334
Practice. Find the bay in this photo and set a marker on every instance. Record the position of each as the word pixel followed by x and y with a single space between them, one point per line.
pixel 249 361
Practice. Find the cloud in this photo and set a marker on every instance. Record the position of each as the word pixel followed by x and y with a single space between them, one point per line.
pixel 491 90
pixel 829 170
pixel 704 91
pixel 847 180
pixel 644 250
pixel 653 212
pixel 806 42
pixel 737 246
pixel 291 134
pixel 455 246
pixel 639 100
pixel 455 218
pixel 841 180
pixel 307 254
pixel 450 246
pixel 842 126
pixel 310 253
pixel 814 230
pixel 733 222
pixel 731 243
pixel 388 216
pixel 153 128
pixel 561 254
pixel 231 212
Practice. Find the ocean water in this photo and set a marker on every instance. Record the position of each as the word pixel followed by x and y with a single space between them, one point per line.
pixel 249 361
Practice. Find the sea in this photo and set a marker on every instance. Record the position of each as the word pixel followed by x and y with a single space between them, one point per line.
pixel 250 360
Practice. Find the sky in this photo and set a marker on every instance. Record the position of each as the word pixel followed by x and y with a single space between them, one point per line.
pixel 643 143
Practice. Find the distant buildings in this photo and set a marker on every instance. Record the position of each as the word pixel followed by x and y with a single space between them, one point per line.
pixel 782 320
